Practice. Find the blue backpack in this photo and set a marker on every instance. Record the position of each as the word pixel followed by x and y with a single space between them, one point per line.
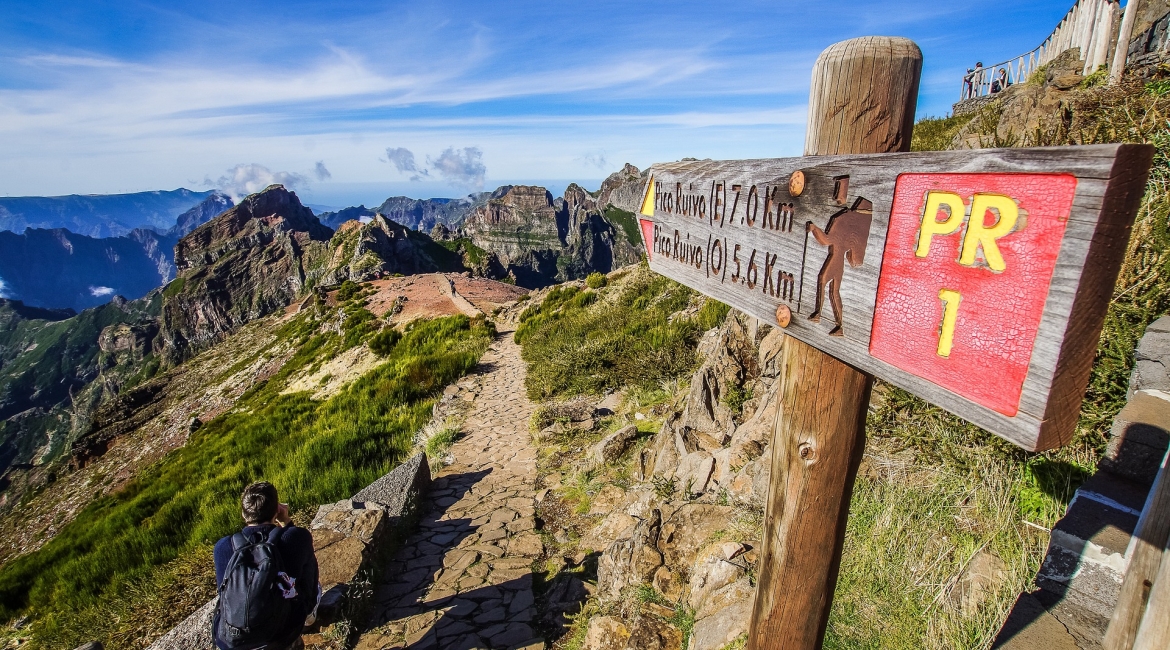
pixel 252 608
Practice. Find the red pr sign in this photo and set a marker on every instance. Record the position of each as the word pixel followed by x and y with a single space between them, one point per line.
pixel 967 265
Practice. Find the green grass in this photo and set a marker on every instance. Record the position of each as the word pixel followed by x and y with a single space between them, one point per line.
pixel 596 280
pixel 576 343
pixel 475 254
pixel 627 221
pixel 936 133
pixel 439 444
pixel 314 452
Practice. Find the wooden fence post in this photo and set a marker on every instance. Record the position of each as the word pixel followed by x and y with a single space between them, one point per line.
pixel 1124 33
pixel 862 100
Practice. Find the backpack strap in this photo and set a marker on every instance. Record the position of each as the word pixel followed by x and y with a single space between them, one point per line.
pixel 239 540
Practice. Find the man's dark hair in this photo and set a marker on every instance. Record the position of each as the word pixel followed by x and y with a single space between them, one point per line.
pixel 259 503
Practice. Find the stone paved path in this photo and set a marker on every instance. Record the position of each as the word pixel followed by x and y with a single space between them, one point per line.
pixel 464 580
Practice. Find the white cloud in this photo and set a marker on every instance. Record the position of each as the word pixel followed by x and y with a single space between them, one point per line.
pixel 460 167
pixel 596 159
pixel 98 292
pixel 402 159
pixel 4 290
pixel 245 179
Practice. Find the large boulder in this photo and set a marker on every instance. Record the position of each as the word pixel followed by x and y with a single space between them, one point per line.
pixel 343 538
pixel 606 633
pixel 614 445
pixel 687 529
pixel 714 569
pixel 724 617
pixel 694 473
pixel 615 526
pixel 631 560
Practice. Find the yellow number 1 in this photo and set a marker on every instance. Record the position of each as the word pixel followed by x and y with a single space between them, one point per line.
pixel 946 334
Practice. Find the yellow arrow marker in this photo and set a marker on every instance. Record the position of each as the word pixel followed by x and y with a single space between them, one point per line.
pixel 648 202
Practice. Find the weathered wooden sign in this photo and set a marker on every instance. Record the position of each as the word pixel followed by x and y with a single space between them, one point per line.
pixel 977 280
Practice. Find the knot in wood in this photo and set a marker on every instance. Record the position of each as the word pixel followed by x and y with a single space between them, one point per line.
pixel 807 452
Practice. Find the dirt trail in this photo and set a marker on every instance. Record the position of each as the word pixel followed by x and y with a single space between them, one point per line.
pixel 465 580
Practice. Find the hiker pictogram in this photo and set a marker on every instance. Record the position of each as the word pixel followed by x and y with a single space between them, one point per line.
pixel 846 235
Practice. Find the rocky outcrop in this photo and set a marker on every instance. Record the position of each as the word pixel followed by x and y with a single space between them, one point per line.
pixel 208 209
pixel 707 465
pixel 248 262
pixel 539 241
pixel 425 214
pixel 623 189
pixel 717 440
pixel 1025 111
pixel 362 251
pixel 56 367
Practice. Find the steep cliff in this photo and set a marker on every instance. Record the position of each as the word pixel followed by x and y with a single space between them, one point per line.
pixel 246 263
pixel 60 269
pixel 538 241
pixel 55 367
pixel 425 214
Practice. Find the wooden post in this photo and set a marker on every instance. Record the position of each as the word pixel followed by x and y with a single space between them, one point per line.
pixel 1124 33
pixel 862 100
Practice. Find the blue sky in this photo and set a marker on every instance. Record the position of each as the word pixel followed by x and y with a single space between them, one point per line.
pixel 119 96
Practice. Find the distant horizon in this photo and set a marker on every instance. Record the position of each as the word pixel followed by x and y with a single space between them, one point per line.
pixel 365 194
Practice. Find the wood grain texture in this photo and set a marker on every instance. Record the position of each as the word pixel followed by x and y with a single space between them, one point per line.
pixel 1150 537
pixel 819 435
pixel 863 95
pixel 818 443
pixel 1154 631
pixel 1109 183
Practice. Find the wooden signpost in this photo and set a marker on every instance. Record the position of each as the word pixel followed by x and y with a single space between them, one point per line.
pixel 977 280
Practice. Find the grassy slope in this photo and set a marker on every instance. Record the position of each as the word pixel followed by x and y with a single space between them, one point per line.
pixel 117 566
pixel 573 348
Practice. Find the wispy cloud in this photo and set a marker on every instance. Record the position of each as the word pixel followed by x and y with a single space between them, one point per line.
pixel 4 290
pixel 596 159
pixel 402 159
pixel 320 171
pixel 99 292
pixel 462 168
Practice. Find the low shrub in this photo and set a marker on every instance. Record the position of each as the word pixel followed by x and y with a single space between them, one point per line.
pixel 595 280
pixel 382 343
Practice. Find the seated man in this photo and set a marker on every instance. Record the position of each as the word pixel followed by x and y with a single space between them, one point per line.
pixel 266 576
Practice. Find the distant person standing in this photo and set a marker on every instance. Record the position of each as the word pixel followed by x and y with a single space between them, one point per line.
pixel 977 79
pixel 266 576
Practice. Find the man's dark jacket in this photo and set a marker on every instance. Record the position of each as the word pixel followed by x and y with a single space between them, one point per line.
pixel 296 552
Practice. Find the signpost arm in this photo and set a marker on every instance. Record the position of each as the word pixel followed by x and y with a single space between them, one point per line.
pixel 862 100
